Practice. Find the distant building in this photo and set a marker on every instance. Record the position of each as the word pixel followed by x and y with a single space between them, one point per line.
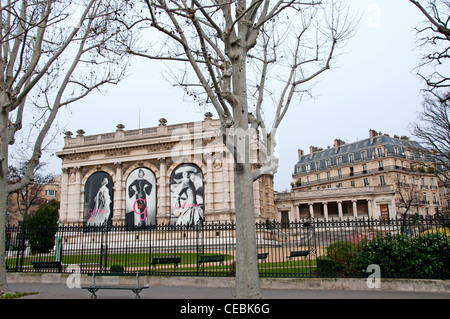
pixel 361 179
pixel 170 174
pixel 39 194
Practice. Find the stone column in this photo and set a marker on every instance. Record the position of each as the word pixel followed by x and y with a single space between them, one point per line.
pixel 311 210
pixel 297 212
pixel 162 213
pixel 355 208
pixel 257 198
pixel 78 197
pixel 119 202
pixel 369 208
pixel 340 209
pixel 64 195
pixel 392 209
pixel 209 187
pixel 228 179
pixel 325 210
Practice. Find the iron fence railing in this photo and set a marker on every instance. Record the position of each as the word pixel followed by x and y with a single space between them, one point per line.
pixel 306 248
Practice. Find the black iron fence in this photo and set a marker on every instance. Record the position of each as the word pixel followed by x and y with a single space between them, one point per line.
pixel 402 248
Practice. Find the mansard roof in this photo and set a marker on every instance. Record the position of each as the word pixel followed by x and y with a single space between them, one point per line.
pixel 393 146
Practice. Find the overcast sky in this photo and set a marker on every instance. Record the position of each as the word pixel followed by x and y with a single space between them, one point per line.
pixel 372 86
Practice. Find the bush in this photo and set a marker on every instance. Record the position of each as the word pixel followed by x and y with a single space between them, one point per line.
pixel 326 267
pixel 46 215
pixel 116 268
pixel 42 239
pixel 342 252
pixel 402 256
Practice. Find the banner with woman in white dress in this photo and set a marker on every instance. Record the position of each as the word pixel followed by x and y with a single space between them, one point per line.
pixel 186 188
pixel 98 200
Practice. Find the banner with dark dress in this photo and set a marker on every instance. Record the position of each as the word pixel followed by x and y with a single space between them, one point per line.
pixel 141 198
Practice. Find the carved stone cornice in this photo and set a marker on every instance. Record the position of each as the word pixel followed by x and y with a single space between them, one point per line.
pixel 115 150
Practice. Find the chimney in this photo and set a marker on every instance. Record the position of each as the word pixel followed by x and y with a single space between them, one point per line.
pixel 312 150
pixel 372 134
pixel 337 143
pixel 300 154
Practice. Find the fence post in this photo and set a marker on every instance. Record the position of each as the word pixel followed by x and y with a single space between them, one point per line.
pixel 101 249
pixel 22 246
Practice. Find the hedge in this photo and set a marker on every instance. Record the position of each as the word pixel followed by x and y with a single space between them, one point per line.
pixel 403 256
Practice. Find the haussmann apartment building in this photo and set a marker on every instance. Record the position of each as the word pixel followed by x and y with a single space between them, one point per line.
pixel 363 179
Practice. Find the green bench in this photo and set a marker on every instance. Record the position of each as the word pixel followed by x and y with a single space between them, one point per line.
pixel 38 265
pixel 211 258
pixel 202 259
pixel 263 256
pixel 301 253
pixel 94 287
pixel 166 260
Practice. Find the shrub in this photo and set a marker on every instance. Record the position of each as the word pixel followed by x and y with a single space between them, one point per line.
pixel 402 256
pixel 342 252
pixel 42 239
pixel 326 267
pixel 116 268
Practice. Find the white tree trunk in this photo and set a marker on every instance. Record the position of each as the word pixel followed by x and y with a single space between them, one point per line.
pixel 3 198
pixel 247 275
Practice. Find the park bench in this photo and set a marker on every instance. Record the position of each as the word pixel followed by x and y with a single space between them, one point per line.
pixel 301 253
pixel 263 256
pixel 211 258
pixel 166 260
pixel 202 259
pixel 38 265
pixel 94 287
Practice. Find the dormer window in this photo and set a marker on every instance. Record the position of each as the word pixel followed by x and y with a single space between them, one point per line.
pixel 380 152
pixel 363 155
pixel 351 158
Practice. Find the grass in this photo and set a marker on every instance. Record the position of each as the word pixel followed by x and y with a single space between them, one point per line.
pixel 17 295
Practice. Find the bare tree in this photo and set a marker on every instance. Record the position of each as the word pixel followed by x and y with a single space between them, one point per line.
pixel 433 126
pixel 31 195
pixel 435 34
pixel 433 131
pixel 52 53
pixel 250 60
pixel 408 197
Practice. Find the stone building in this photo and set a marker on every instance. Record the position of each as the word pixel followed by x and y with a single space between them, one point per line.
pixel 169 174
pixel 367 178
pixel 18 206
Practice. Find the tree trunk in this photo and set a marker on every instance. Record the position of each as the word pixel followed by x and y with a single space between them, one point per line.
pixel 3 198
pixel 247 275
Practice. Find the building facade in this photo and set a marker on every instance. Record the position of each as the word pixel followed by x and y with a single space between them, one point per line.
pixel 374 177
pixel 27 204
pixel 170 174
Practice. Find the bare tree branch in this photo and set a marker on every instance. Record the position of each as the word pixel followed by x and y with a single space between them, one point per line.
pixel 436 35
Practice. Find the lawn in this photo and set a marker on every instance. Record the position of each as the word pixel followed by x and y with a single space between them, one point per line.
pixel 188 265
